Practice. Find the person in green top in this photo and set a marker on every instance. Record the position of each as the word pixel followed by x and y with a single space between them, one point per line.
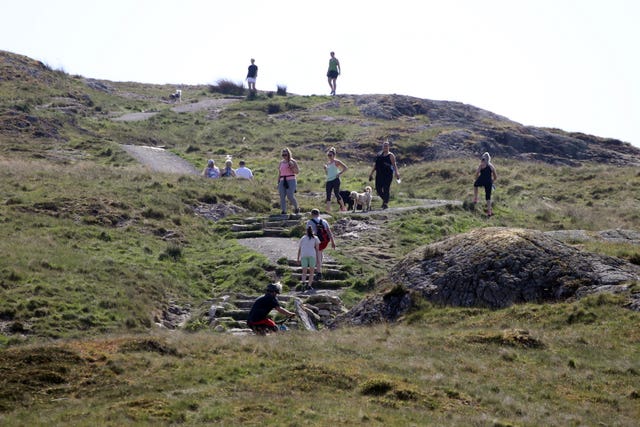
pixel 333 72
pixel 334 168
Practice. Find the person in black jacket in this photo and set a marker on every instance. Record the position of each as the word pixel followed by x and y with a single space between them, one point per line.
pixel 385 168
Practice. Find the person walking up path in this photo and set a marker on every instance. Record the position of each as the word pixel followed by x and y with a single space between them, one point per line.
pixel 321 229
pixel 485 177
pixel 308 253
pixel 384 167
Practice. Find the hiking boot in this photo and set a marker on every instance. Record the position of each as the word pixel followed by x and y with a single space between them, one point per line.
pixel 296 210
pixel 384 206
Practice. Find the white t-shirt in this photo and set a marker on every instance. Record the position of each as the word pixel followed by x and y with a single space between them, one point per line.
pixel 244 172
pixel 308 246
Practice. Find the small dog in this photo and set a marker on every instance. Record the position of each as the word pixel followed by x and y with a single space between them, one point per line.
pixel 363 199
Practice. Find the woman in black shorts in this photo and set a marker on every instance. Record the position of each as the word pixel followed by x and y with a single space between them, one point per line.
pixel 485 177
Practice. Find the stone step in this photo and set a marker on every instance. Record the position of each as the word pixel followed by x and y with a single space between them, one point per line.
pixel 329 284
pixel 326 264
pixel 283 223
pixel 249 234
pixel 275 232
pixel 246 227
pixel 280 217
pixel 327 273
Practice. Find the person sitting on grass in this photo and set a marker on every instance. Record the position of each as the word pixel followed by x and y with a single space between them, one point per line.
pixel 211 171
pixel 258 319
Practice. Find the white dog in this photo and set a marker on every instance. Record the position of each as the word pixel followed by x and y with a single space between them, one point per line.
pixel 363 199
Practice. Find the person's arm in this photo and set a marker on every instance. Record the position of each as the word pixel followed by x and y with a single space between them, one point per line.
pixel 392 157
pixel 338 66
pixel 330 233
pixel 299 246
pixel 373 169
pixel 342 166
pixel 477 172
pixel 285 311
pixel 294 166
pixel 493 172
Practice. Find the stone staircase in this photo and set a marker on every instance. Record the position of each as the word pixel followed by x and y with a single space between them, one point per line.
pixel 228 313
pixel 279 225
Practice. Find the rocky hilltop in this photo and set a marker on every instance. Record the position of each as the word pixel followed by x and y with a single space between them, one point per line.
pixel 465 130
pixel 44 104
pixel 495 268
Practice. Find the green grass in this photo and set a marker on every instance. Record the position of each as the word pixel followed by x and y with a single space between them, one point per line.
pixel 94 247
pixel 526 365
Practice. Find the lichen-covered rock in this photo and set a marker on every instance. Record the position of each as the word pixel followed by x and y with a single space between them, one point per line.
pixel 495 268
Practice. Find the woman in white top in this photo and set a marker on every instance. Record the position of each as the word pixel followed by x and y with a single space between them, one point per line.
pixel 334 168
pixel 308 256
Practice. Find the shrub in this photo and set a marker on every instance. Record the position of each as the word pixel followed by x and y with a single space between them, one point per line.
pixel 273 108
pixel 282 90
pixel 227 87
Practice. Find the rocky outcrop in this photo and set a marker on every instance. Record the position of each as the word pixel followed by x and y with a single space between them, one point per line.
pixel 494 268
pixel 465 130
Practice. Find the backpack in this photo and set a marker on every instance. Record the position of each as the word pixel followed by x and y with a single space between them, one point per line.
pixel 323 235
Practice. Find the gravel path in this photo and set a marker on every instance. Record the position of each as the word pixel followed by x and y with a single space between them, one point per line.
pixel 206 104
pixel 160 160
pixel 275 248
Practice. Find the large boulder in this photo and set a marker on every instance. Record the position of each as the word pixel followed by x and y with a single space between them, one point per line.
pixel 494 268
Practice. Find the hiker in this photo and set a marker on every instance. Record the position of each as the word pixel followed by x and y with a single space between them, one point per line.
pixel 308 253
pixel 211 171
pixel 252 74
pixel 321 229
pixel 258 319
pixel 385 167
pixel 228 171
pixel 485 177
pixel 333 72
pixel 243 171
pixel 334 168
pixel 287 171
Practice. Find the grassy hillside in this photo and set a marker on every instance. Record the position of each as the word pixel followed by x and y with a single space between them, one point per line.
pixel 94 246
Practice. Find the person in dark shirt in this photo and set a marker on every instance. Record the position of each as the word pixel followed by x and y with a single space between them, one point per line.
pixel 258 319
pixel 252 75
pixel 385 168
pixel 485 177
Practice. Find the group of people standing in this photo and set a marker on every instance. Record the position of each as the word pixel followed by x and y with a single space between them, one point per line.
pixel 384 168
pixel 333 72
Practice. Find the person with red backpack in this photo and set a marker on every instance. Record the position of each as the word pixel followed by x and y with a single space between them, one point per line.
pixel 321 229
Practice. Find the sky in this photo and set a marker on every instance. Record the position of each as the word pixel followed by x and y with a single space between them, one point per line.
pixel 568 64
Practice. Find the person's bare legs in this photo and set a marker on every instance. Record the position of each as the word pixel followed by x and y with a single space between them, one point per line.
pixel 311 272
pixel 475 194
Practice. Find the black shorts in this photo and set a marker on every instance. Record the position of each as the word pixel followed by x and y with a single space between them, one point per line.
pixel 332 74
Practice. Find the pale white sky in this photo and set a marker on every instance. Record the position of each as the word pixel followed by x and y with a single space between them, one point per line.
pixel 570 64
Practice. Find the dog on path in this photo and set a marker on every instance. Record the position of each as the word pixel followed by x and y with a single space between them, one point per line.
pixel 363 199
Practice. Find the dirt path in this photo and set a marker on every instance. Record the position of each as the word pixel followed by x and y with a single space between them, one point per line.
pixel 275 248
pixel 205 104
